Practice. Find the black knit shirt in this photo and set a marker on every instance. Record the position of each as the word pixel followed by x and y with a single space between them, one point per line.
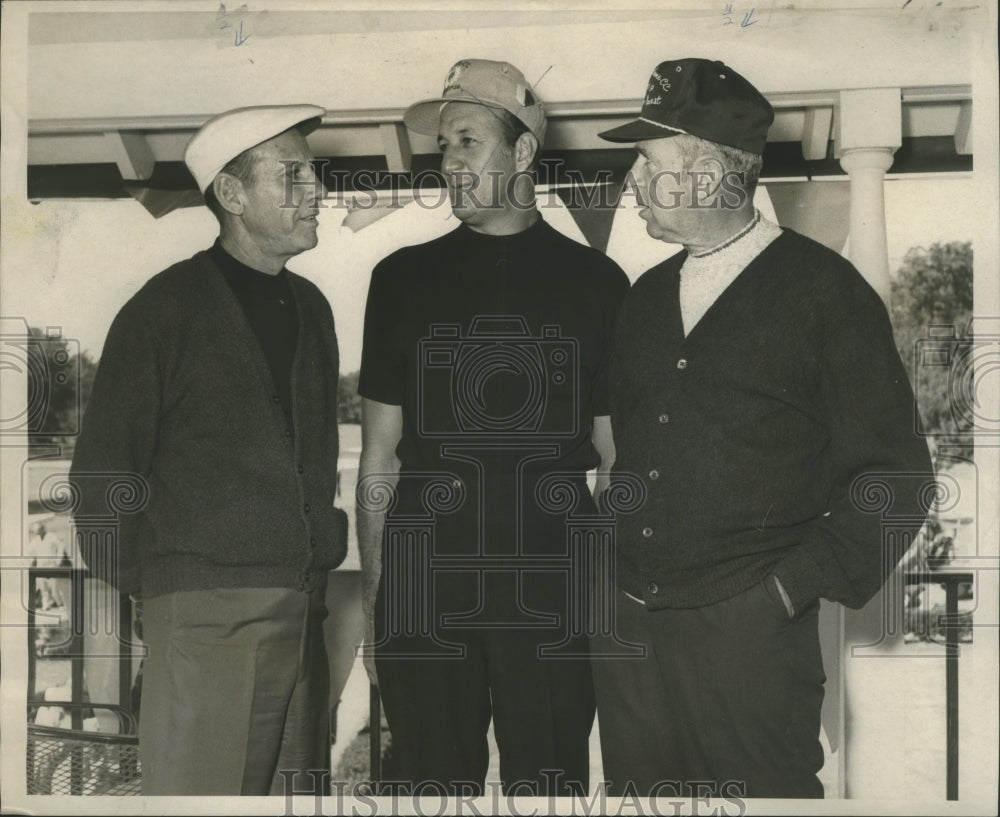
pixel 269 306
pixel 496 349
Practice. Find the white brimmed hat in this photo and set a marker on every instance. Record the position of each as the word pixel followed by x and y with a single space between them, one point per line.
pixel 224 137
pixel 483 82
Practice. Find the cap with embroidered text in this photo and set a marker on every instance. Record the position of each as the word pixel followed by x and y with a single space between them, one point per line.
pixel 703 98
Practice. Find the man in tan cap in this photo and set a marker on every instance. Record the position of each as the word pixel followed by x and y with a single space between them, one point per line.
pixel 217 392
pixel 758 396
pixel 484 386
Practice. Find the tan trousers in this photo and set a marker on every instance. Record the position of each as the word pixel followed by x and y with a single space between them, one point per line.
pixel 235 690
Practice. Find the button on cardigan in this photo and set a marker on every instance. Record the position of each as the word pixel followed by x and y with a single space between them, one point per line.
pixel 183 406
pixel 764 426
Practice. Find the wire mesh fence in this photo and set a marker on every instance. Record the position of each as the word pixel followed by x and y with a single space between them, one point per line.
pixel 80 762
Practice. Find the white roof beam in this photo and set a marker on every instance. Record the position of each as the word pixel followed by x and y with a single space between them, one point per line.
pixel 396 145
pixel 963 129
pixel 816 133
pixel 131 153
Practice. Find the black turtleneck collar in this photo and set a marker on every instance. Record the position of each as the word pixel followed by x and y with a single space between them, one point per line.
pixel 524 237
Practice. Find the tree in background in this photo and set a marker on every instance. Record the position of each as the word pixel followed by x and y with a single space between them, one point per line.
pixel 59 381
pixel 931 312
pixel 348 399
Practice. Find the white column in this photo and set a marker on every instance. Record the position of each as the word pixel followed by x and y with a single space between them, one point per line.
pixel 867 133
pixel 866 168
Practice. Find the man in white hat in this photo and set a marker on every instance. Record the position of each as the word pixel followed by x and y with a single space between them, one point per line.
pixel 484 396
pixel 217 396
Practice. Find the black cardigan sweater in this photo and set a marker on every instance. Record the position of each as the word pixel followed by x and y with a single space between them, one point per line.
pixel 776 438
pixel 228 494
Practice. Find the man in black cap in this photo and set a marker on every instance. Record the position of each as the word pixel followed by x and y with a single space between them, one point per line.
pixel 756 391
pixel 483 378
pixel 216 403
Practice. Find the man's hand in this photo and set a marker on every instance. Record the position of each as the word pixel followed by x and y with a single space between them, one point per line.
pixel 789 607
pixel 368 656
pixel 604 442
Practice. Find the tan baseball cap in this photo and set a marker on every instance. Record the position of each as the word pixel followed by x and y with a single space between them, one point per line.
pixel 484 82
pixel 225 136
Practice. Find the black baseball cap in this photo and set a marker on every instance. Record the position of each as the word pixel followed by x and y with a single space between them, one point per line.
pixel 703 98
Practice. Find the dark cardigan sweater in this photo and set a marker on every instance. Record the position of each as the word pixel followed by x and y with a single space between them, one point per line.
pixel 184 400
pixel 748 435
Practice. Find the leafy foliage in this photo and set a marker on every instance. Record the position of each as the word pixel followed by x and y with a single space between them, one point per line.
pixel 59 381
pixel 348 399
pixel 931 312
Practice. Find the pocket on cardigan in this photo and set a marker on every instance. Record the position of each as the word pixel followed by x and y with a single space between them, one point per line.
pixel 774 596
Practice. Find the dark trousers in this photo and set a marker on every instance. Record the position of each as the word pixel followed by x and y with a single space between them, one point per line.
pixel 439 709
pixel 728 695
pixel 235 690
